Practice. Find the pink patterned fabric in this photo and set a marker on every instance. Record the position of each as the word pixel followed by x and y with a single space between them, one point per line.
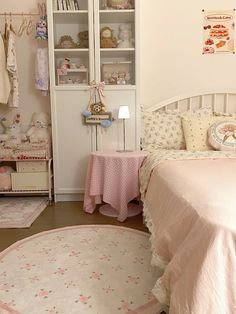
pixel 90 269
pixel 113 178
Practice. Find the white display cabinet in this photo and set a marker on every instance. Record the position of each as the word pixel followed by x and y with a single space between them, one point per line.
pixel 72 140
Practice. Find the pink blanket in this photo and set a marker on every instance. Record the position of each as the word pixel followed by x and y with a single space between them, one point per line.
pixel 190 207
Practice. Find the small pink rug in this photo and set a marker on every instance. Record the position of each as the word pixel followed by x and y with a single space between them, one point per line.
pixel 83 269
pixel 20 212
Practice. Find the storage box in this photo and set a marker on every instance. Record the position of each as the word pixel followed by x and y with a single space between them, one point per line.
pixel 29 181
pixel 117 73
pixel 31 166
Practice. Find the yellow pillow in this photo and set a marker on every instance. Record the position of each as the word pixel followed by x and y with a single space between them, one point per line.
pixel 195 131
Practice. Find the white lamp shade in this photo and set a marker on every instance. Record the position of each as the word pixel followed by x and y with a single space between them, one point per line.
pixel 123 112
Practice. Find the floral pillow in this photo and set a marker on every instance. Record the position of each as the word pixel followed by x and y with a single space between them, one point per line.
pixel 164 130
pixel 222 135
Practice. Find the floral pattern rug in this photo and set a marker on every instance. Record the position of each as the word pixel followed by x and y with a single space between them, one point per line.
pixel 20 212
pixel 98 269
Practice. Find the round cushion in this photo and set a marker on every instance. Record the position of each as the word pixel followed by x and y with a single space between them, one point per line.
pixel 222 135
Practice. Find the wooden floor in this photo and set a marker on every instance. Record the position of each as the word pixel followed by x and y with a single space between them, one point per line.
pixel 64 214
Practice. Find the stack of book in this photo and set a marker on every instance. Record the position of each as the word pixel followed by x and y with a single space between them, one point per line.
pixel 66 5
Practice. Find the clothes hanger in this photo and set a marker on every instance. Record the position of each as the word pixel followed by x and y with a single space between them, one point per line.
pixel 30 26
pixel 5 35
pixel 23 26
pixel 11 26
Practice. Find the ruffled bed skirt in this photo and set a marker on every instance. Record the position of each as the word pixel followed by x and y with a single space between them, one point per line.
pixel 159 290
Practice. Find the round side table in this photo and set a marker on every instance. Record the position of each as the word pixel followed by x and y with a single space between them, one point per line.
pixel 113 177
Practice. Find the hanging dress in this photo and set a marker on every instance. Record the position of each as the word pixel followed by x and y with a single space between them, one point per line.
pixel 12 70
pixel 41 70
pixel 4 78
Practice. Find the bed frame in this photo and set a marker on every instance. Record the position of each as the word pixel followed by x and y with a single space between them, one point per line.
pixel 220 101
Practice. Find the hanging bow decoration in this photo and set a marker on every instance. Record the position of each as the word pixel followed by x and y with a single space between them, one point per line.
pixel 96 113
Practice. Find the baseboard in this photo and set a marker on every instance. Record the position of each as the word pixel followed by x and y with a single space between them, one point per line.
pixel 69 197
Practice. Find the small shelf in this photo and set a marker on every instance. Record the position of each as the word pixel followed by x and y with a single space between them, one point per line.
pixel 26 159
pixel 117 16
pixel 120 87
pixel 25 192
pixel 116 52
pixel 70 11
pixel 71 17
pixel 73 53
pixel 67 87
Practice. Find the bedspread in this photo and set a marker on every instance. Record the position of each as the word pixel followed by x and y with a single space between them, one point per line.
pixel 190 209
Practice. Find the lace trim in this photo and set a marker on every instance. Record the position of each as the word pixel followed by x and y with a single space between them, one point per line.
pixel 159 290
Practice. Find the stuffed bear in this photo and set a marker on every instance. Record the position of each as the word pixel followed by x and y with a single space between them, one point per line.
pixel 5 178
pixel 106 38
pixel 12 131
pixel 83 39
pixel 125 39
pixel 120 4
pixel 39 131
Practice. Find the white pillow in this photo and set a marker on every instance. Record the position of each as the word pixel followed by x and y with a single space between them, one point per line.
pixel 222 135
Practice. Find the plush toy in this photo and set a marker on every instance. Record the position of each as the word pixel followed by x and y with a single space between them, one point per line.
pixel 12 131
pixel 65 64
pixel 83 39
pixel 41 26
pixel 120 4
pixel 66 42
pixel 125 39
pixel 106 38
pixel 39 131
pixel 5 178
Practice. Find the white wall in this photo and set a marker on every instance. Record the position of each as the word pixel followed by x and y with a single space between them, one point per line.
pixel 171 50
pixel 31 99
pixel 171 53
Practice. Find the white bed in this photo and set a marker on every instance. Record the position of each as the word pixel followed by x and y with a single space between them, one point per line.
pixel 190 209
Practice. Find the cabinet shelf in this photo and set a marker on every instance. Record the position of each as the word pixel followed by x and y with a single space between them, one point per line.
pixel 72 53
pixel 116 52
pixel 117 16
pixel 70 12
pixel 71 17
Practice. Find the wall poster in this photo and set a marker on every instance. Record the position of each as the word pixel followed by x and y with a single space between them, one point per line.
pixel 218 31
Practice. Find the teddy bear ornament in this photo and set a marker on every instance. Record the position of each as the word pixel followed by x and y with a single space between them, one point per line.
pixel 39 130
pixel 12 131
pixel 125 39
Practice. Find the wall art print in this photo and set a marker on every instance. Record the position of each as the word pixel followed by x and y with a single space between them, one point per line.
pixel 218 31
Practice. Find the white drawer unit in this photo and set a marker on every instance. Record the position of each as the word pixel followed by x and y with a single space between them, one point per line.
pixel 31 166
pixel 29 181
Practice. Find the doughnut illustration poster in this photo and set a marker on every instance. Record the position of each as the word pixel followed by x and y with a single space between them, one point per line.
pixel 218 32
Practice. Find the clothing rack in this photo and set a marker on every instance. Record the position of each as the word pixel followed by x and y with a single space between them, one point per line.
pixel 19 14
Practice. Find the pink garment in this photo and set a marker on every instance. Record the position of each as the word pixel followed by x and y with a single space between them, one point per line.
pixel 190 208
pixel 113 178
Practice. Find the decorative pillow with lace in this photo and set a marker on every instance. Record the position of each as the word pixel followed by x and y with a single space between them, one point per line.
pixel 222 135
pixel 196 128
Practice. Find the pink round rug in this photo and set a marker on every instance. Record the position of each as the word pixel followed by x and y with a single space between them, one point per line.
pixel 98 269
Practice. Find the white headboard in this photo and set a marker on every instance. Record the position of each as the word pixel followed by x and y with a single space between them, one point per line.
pixel 221 101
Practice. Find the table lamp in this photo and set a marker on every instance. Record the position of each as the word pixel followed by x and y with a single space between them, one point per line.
pixel 124 114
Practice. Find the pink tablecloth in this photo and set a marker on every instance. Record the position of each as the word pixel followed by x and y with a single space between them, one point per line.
pixel 112 177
